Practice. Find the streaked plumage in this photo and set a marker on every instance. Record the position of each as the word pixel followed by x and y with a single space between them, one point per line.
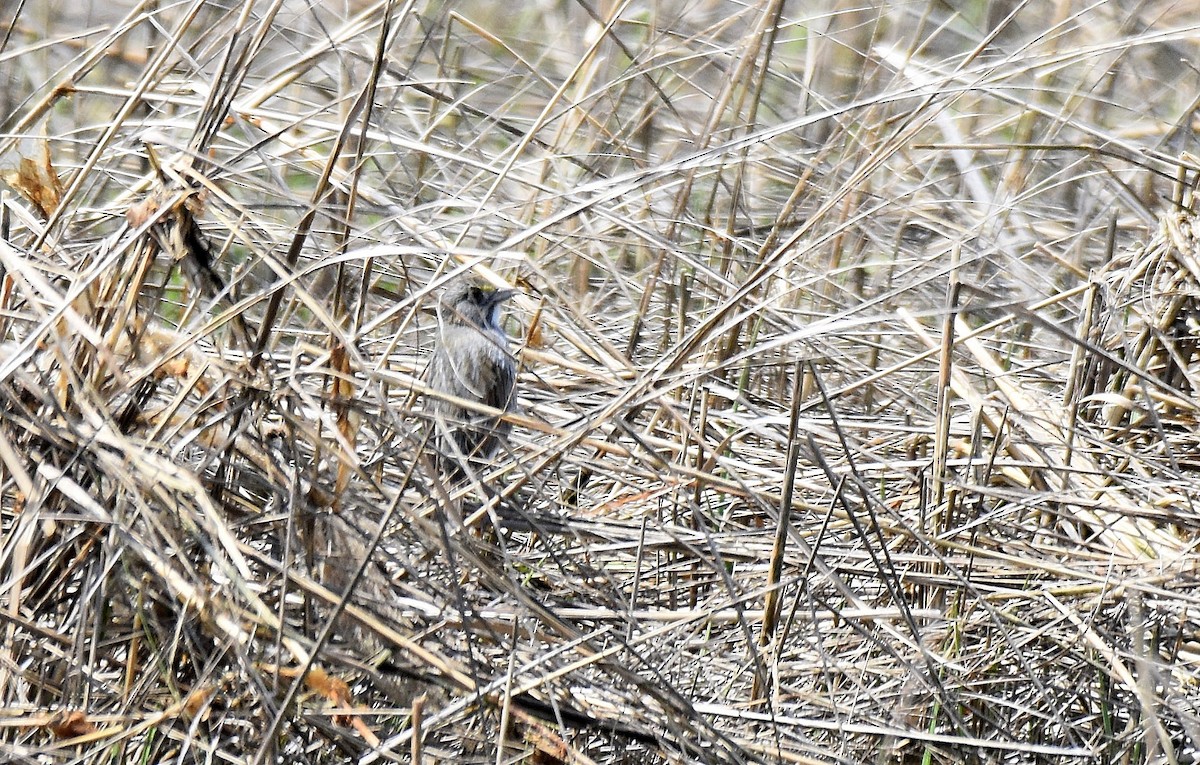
pixel 472 362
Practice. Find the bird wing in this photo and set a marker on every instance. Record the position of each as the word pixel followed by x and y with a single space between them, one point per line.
pixel 500 394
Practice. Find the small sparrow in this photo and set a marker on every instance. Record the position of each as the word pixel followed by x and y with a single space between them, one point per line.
pixel 472 362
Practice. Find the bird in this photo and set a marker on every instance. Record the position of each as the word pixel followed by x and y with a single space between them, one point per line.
pixel 472 361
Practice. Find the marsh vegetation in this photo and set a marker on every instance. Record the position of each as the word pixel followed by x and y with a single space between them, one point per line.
pixel 858 382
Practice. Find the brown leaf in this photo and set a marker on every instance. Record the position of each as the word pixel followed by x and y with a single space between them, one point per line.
pixel 70 725
pixel 196 700
pixel 36 180
pixel 141 212
pixel 332 688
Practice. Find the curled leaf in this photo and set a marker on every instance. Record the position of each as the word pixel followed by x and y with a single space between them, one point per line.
pixel 36 180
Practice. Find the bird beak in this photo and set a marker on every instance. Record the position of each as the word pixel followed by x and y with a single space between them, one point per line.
pixel 499 296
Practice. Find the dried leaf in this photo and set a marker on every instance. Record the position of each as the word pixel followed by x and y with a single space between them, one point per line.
pixel 196 700
pixel 71 725
pixel 332 688
pixel 139 213
pixel 36 180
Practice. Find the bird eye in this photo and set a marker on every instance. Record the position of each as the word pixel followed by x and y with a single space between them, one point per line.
pixel 476 295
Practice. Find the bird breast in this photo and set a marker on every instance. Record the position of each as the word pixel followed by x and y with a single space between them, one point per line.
pixel 475 364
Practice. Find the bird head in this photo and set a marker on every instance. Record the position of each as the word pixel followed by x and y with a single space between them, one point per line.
pixel 473 305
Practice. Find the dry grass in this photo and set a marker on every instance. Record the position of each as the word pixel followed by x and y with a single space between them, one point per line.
pixel 859 383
